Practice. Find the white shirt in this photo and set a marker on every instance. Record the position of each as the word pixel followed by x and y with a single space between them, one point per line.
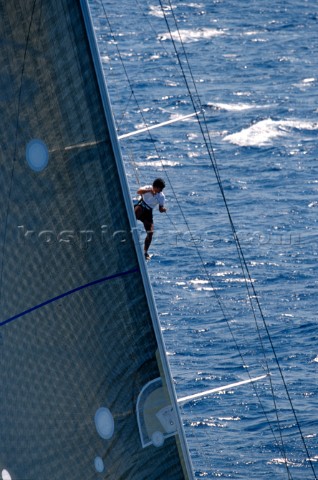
pixel 153 200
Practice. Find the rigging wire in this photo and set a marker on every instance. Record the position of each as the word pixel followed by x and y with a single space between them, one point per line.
pixel 197 107
pixel 241 255
pixel 192 239
pixel 248 280
pixel 237 242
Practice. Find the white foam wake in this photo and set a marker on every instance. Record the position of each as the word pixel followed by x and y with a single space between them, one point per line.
pixel 156 11
pixel 262 133
pixel 159 163
pixel 189 36
pixel 236 107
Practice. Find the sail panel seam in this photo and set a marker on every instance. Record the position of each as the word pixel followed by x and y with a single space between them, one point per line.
pixel 66 294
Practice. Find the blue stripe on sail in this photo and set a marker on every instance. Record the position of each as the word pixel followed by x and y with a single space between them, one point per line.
pixel 70 292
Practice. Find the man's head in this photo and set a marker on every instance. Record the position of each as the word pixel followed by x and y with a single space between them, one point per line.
pixel 158 184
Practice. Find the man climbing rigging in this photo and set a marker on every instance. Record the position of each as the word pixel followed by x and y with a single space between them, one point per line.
pixel 151 196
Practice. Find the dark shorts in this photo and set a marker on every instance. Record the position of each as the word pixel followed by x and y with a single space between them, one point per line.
pixel 144 214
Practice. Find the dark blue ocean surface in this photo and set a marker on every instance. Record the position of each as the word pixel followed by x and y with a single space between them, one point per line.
pixel 254 72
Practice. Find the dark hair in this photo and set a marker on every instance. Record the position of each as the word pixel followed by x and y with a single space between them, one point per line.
pixel 159 183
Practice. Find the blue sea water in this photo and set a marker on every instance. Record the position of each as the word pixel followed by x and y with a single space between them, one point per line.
pixel 255 69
